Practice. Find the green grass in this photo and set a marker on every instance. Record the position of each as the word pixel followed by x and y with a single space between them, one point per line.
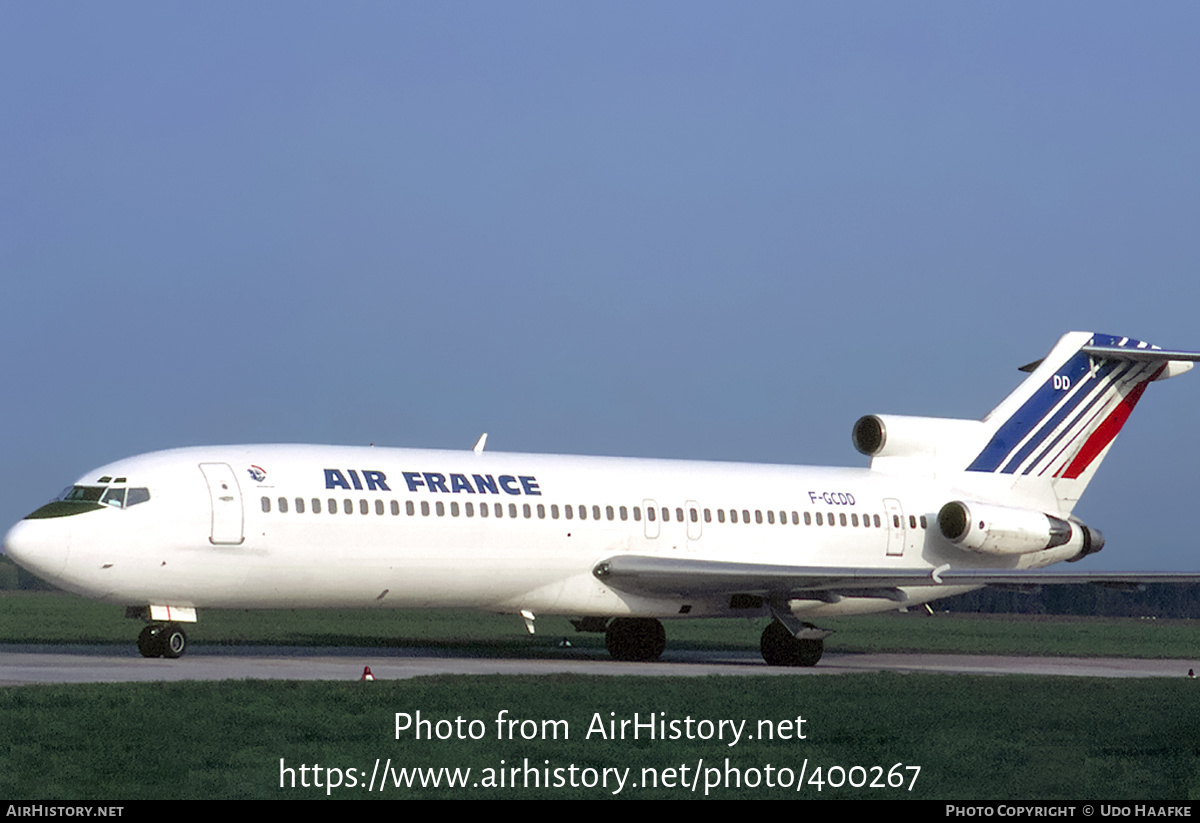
pixel 974 738
pixel 1005 738
pixel 50 617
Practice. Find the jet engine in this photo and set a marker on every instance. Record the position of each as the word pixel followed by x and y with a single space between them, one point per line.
pixel 1003 530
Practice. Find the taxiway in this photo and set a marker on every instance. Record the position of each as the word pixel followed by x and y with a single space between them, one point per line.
pixel 21 664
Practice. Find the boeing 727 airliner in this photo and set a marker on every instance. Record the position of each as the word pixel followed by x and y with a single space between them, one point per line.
pixel 946 506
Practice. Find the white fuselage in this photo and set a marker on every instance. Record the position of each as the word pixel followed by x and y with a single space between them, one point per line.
pixel 290 526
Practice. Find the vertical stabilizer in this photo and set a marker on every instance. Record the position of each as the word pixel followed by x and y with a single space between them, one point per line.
pixel 1058 425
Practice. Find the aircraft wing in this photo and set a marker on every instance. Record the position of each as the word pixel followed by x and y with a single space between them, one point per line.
pixel 689 577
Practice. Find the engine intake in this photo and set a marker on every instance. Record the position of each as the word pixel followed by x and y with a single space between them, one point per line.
pixel 1003 530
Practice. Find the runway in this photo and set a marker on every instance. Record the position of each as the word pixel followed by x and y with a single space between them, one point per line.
pixel 22 665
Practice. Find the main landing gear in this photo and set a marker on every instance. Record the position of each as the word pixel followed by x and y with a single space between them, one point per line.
pixel 781 648
pixel 162 640
pixel 636 639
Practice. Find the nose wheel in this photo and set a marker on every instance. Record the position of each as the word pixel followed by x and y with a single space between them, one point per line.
pixel 162 640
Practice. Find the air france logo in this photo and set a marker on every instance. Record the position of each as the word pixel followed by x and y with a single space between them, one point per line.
pixel 371 480
pixel 258 473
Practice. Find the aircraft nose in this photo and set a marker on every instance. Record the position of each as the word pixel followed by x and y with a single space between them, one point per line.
pixel 38 546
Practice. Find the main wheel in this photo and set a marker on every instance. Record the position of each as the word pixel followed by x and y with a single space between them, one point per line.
pixel 635 639
pixel 780 648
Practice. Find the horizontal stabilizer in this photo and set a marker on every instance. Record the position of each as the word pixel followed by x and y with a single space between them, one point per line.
pixel 1146 355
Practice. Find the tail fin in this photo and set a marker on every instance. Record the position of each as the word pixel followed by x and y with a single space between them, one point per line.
pixel 1060 422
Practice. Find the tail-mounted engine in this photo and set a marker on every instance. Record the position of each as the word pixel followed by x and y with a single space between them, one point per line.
pixel 1002 530
pixel 901 443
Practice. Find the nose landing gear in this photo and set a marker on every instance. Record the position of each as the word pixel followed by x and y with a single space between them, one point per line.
pixel 162 640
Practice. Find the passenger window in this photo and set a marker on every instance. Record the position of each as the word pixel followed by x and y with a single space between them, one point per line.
pixel 832 522
pixel 770 517
pixel 746 516
pixel 470 509
pixel 512 509
pixel 379 507
pixel 876 518
pixel 541 509
pixel 666 515
pixel 624 513
pixel 499 509
pixel 820 522
pixel 395 508
pixel 707 515
pixel 266 504
pixel 842 519
pixel 923 525
pixel 454 508
pixel 332 508
pixel 440 508
pixel 483 509
pixel 650 513
pixel 720 515
pixel 795 519
pixel 912 522
pixel 808 519
pixel 525 510
pixel 854 520
pixel 896 520
pixel 364 507
pixel 299 505
pixel 733 516
pixel 637 513
pixel 316 505
pixel 583 512
pixel 595 512
pixel 409 508
pixel 283 505
pixel 679 514
pixel 553 511
pixel 348 506
pixel 424 508
pixel 609 513
pixel 569 511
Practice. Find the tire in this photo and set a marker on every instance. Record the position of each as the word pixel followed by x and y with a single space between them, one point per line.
pixel 635 639
pixel 149 642
pixel 162 640
pixel 174 641
pixel 780 648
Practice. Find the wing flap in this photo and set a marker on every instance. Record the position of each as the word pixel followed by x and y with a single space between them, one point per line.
pixel 690 577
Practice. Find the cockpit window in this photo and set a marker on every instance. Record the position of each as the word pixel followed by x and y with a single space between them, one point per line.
pixel 118 496
pixel 83 494
pixel 80 499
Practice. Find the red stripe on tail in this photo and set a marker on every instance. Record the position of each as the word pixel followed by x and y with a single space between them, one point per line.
pixel 1108 430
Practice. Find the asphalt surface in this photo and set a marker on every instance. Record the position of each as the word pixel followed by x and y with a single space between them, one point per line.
pixel 20 664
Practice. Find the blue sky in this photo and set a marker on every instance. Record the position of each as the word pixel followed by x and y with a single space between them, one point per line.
pixel 701 230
